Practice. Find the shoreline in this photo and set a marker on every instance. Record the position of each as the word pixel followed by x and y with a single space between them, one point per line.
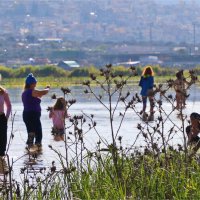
pixel 68 81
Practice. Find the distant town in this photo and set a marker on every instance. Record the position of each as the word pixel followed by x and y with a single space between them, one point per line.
pixel 87 32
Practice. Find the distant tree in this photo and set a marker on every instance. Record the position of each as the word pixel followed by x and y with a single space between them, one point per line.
pixel 84 72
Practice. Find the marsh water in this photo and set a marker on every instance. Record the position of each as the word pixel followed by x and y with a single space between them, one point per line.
pixel 88 105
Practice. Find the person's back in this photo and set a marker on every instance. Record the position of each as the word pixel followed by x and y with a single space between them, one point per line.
pixel 146 84
pixel 58 118
pixel 179 85
pixel 58 113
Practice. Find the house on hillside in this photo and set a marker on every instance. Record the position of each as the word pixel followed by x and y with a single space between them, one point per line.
pixel 41 61
pixel 68 64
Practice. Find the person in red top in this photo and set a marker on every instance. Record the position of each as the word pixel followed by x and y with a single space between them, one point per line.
pixel 4 115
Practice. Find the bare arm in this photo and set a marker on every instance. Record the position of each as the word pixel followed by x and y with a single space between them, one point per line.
pixel 8 104
pixel 51 113
pixel 176 85
pixel 40 93
pixel 67 115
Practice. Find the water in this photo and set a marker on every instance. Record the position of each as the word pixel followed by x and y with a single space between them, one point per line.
pixel 88 105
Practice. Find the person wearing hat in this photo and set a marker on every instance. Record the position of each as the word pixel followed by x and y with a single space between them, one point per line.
pixel 31 98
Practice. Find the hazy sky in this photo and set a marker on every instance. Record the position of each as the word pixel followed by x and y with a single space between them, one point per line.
pixel 167 1
pixel 176 1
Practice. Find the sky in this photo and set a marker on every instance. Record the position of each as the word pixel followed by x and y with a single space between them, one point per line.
pixel 176 1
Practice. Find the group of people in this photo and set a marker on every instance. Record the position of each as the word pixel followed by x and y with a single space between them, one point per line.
pixel 31 98
pixel 180 85
pixel 147 83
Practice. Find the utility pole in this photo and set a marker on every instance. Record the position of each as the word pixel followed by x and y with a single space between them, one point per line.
pixel 194 36
pixel 150 35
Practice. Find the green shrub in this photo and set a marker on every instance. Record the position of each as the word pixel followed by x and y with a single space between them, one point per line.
pixel 120 70
pixel 5 72
pixel 40 71
pixel 85 71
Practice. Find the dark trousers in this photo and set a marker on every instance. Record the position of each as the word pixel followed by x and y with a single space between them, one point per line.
pixel 33 125
pixel 3 134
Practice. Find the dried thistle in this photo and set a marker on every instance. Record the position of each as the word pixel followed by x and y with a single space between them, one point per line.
pixel 65 90
pixel 53 96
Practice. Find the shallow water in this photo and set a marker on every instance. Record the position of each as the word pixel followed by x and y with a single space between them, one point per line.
pixel 88 105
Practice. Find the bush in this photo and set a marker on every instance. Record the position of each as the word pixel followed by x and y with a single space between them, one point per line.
pixel 120 70
pixel 5 72
pixel 40 71
pixel 86 71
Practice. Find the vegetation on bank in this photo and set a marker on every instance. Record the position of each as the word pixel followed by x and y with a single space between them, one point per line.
pixel 55 71
pixel 57 77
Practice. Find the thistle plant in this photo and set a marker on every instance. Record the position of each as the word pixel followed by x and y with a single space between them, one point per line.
pixel 113 86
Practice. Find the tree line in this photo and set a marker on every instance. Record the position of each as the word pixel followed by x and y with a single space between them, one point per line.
pixel 55 71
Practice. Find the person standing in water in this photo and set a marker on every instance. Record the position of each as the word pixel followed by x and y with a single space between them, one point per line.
pixel 193 131
pixel 31 98
pixel 4 116
pixel 147 83
pixel 180 86
pixel 58 114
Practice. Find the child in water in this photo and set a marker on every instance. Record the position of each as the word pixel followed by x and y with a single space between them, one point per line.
pixel 193 130
pixel 147 83
pixel 58 113
pixel 180 85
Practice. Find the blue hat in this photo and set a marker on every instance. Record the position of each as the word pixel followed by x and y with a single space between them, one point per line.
pixel 30 79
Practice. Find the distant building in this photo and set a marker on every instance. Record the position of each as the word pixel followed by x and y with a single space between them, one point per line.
pixel 68 64
pixel 151 60
pixel 59 40
pixel 41 61
pixel 128 64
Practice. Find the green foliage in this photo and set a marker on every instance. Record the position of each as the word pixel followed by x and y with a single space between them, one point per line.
pixel 5 72
pixel 143 177
pixel 121 70
pixel 40 71
pixel 84 72
pixel 51 70
pixel 197 70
